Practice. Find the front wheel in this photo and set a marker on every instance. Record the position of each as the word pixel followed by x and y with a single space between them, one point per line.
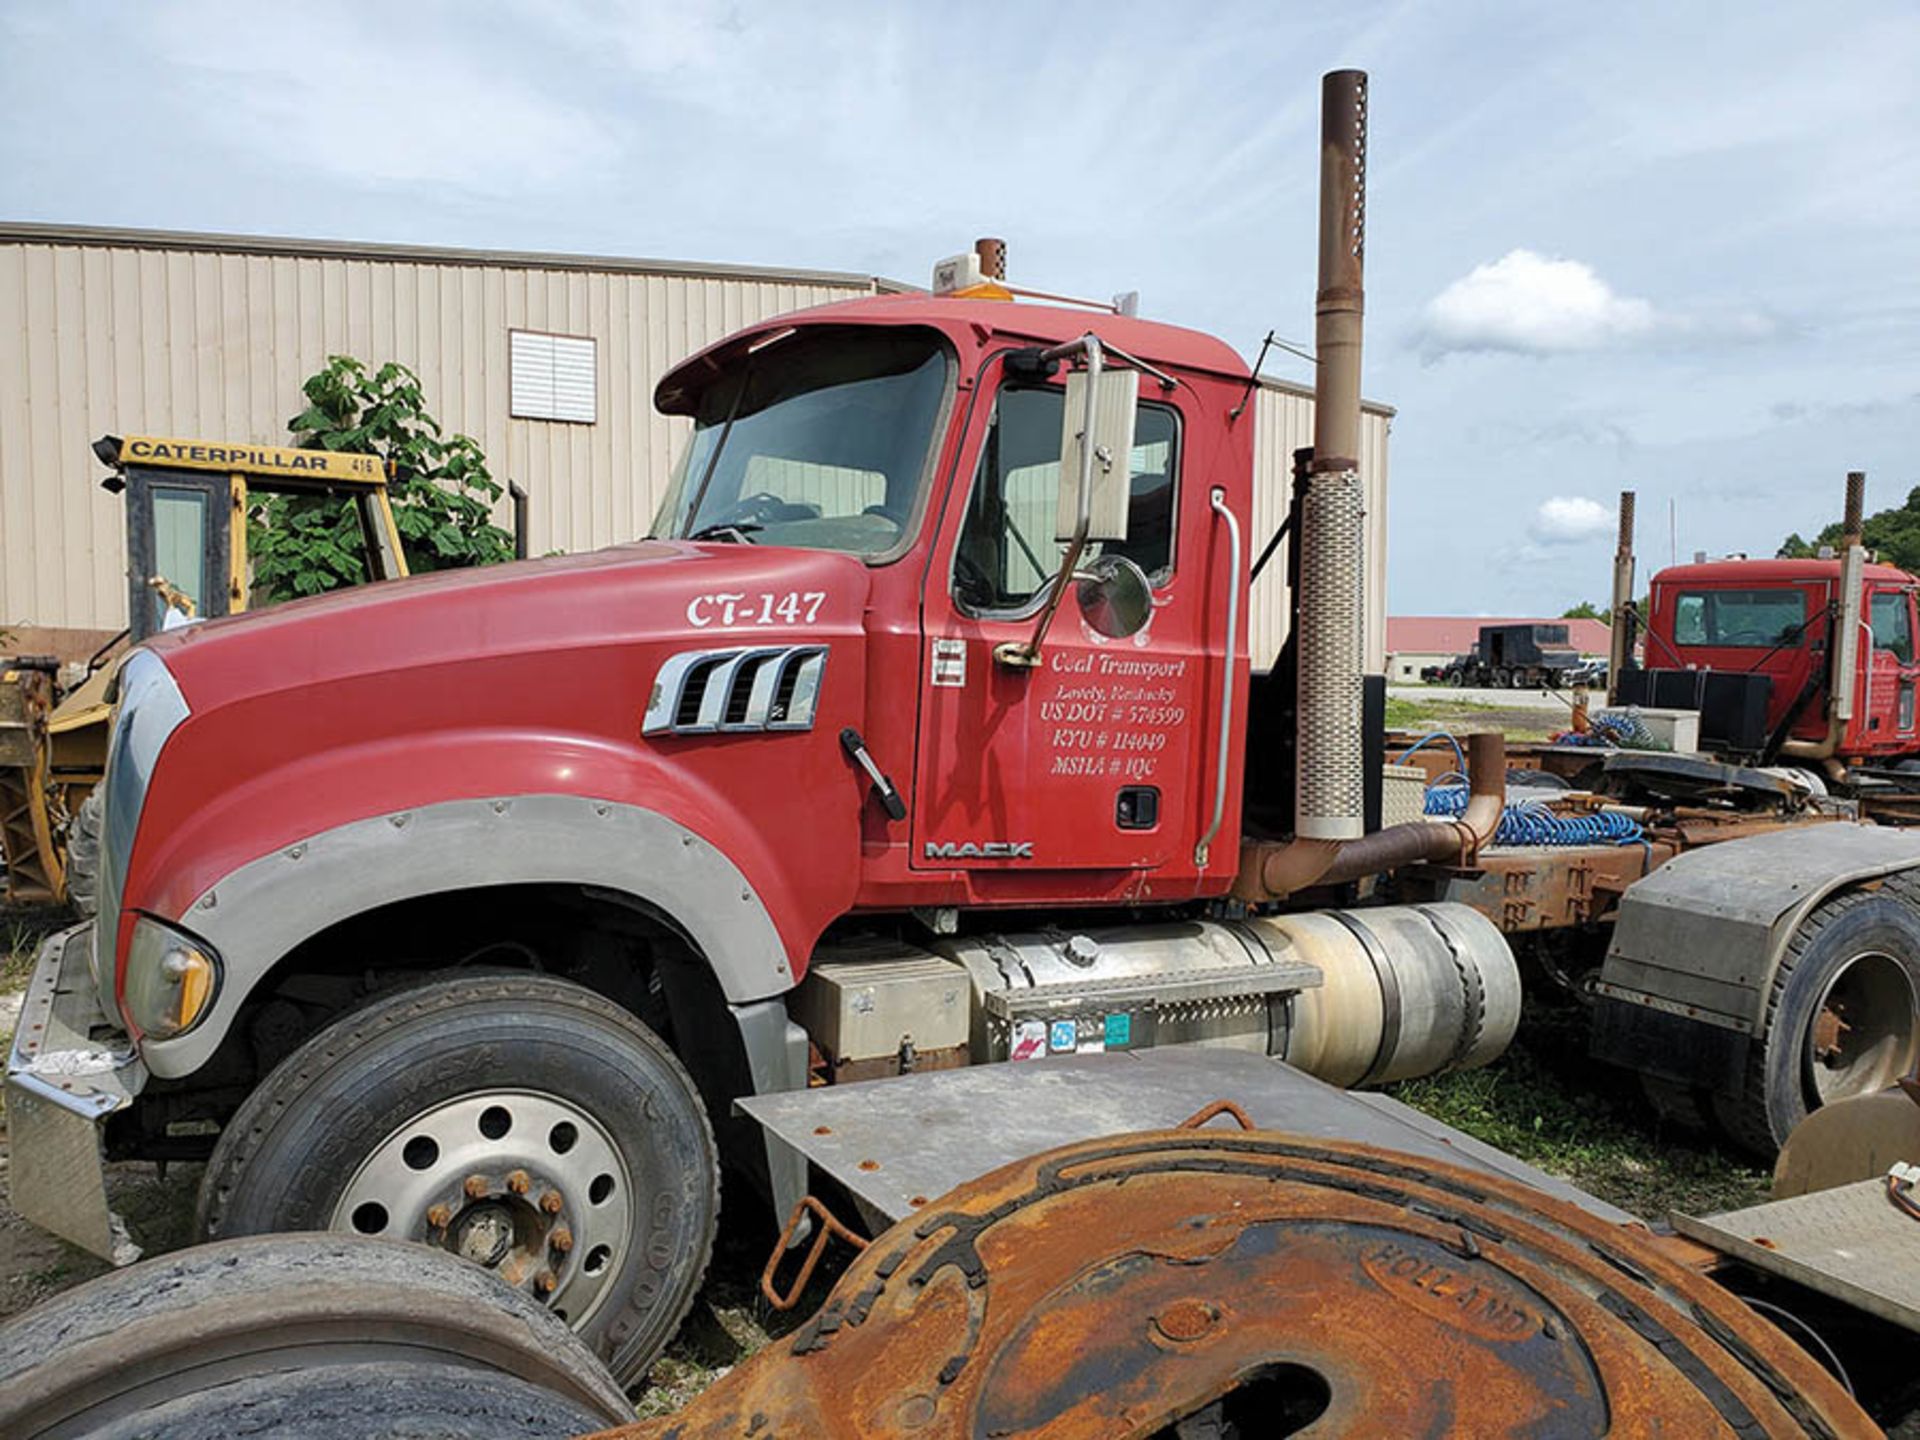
pixel 520 1122
pixel 1841 1018
pixel 83 856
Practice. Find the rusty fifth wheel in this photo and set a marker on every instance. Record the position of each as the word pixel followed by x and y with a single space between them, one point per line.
pixel 1206 1282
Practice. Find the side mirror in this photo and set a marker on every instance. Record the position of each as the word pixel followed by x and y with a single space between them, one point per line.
pixel 1115 396
pixel 1115 596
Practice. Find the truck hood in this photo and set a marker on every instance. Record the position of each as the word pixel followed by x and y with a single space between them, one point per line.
pixel 626 596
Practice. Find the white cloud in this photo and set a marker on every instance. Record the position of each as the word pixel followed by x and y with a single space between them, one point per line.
pixel 1569 519
pixel 1528 303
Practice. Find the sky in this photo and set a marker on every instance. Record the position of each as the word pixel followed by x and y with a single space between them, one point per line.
pixel 1672 248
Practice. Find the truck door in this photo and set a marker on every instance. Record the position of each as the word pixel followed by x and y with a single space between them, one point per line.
pixel 1093 760
pixel 1887 701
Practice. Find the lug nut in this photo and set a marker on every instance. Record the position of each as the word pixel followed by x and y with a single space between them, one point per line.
pixel 551 1202
pixel 439 1216
pixel 547 1281
pixel 519 1182
pixel 561 1239
pixel 477 1187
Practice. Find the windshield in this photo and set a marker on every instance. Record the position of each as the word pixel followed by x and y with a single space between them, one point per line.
pixel 819 440
pixel 1738 618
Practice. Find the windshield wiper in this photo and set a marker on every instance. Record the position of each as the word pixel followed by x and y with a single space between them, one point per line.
pixel 739 532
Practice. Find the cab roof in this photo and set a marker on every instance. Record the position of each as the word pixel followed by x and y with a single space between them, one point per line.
pixel 969 324
pixel 1720 574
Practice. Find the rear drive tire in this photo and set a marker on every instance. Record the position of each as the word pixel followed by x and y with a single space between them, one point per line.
pixel 1840 1021
pixel 522 1122
pixel 243 1336
pixel 83 856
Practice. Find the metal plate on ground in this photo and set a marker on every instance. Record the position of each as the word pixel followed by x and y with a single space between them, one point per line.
pixel 892 1142
pixel 1851 1243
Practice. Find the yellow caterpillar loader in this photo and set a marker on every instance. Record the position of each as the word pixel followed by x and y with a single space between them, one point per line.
pixel 188 503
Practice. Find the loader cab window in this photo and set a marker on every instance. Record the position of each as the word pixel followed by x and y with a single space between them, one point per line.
pixel 1892 624
pixel 183 544
pixel 1007 551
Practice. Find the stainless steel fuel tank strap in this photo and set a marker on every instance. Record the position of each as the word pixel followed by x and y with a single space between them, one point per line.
pixel 1389 994
pixel 1472 992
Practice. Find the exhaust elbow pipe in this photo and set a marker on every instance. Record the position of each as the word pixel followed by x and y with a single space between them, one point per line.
pixel 1277 871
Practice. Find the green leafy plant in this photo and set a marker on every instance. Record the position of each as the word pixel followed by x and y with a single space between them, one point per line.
pixel 1893 533
pixel 442 492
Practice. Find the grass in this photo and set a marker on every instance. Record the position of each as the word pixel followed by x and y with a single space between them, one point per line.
pixel 1547 1103
pixel 21 931
pixel 1465 716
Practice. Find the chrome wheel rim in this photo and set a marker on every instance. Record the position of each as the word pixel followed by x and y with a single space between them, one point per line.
pixel 1862 1037
pixel 522 1183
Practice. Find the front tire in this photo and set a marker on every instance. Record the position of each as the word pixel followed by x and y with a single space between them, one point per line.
pixel 83 856
pixel 522 1122
pixel 1841 1018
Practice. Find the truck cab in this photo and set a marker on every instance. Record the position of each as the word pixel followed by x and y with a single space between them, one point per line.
pixel 1761 636
pixel 914 450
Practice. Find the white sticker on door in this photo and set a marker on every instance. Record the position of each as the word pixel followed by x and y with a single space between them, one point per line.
pixel 949 664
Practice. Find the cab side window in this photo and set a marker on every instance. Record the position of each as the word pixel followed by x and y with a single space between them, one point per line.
pixel 1007 552
pixel 1892 625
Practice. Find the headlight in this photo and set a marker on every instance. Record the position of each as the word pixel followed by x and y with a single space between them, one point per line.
pixel 150 707
pixel 171 980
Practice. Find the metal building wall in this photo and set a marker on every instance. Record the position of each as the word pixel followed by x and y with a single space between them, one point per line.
pixel 157 335
pixel 211 337
pixel 1283 417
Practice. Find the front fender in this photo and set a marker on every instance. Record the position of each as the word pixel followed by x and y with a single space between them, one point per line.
pixel 373 824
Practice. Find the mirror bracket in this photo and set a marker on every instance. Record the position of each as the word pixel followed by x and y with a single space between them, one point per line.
pixel 1025 654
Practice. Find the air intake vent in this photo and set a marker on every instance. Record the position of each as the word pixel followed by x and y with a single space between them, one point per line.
pixel 708 692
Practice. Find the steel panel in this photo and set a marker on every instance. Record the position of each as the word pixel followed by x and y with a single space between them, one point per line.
pixel 1851 1243
pixel 923 1134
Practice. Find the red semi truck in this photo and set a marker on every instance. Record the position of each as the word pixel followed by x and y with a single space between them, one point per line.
pixel 460 908
pixel 1801 662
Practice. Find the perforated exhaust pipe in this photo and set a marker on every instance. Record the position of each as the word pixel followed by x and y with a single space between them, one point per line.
pixel 1330 780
